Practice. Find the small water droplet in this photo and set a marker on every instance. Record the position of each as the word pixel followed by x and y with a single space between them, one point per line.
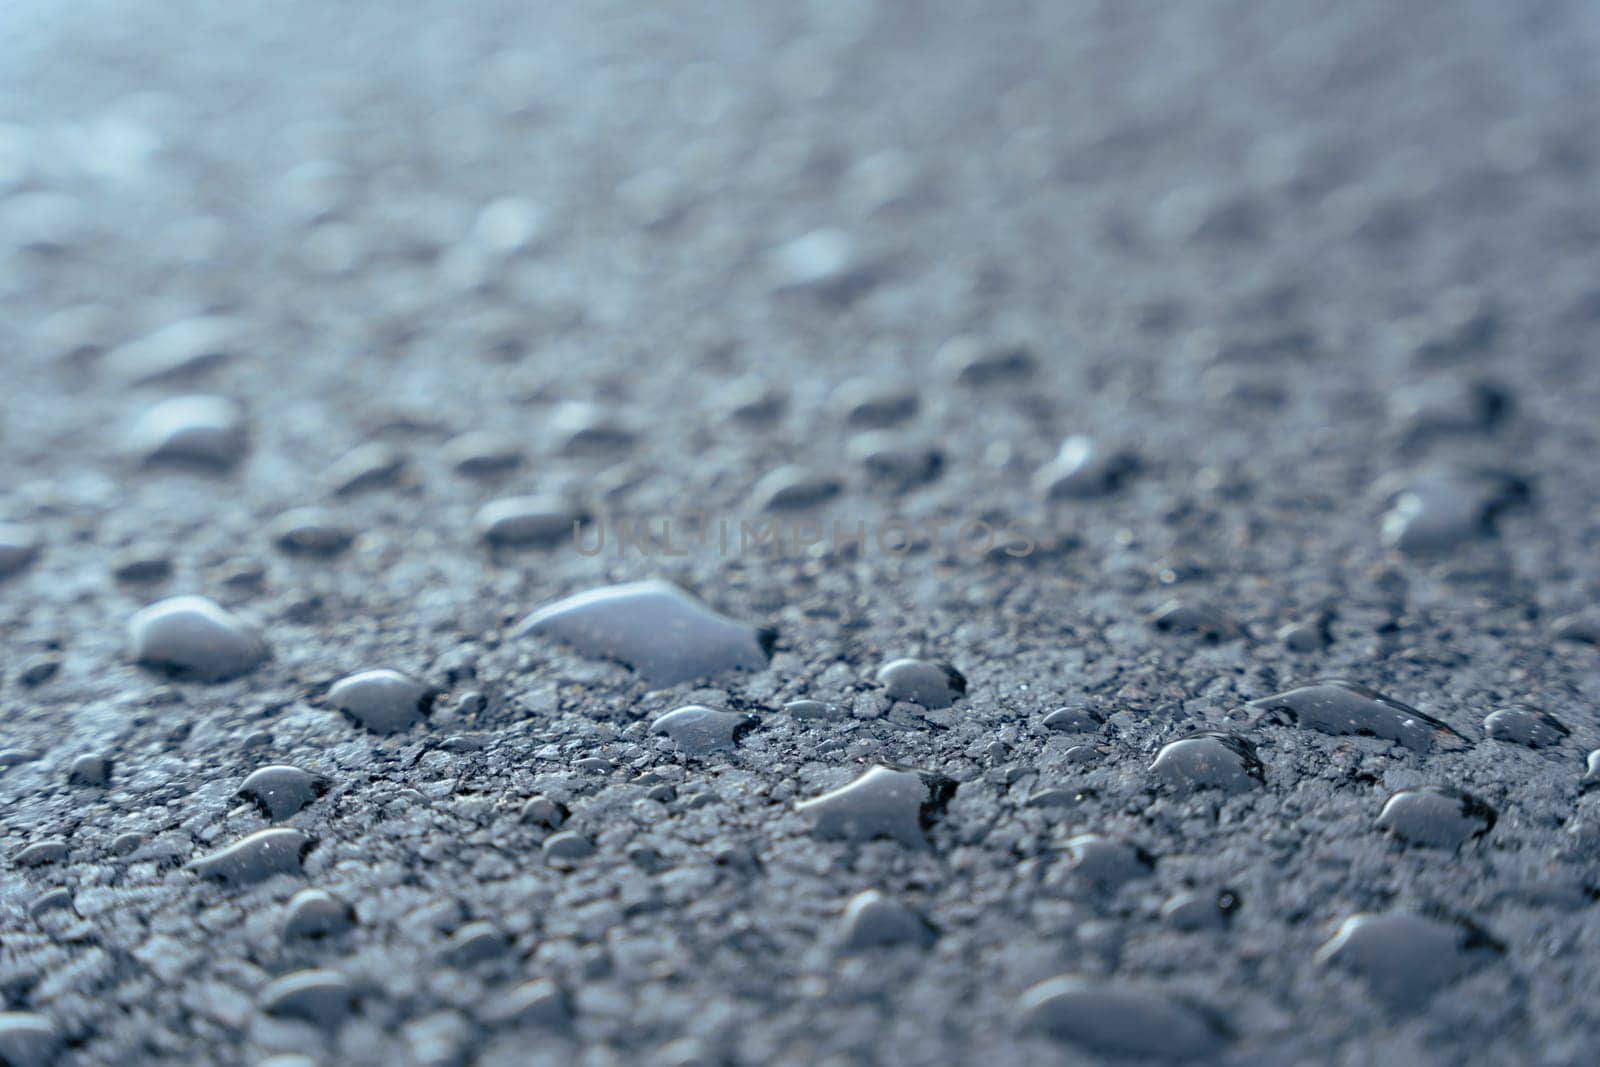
pixel 872 920
pixel 813 709
pixel 42 854
pixel 324 998
pixel 1075 719
pixel 476 942
pixel 316 914
pixel 794 488
pixel 883 803
pixel 1521 724
pixel 1202 620
pixel 1105 863
pixel 545 812
pixel 310 532
pixel 18 547
pixel 366 467
pixel 924 682
pixel 279 791
pixel 384 701
pixel 567 849
pixel 1436 816
pixel 1083 468
pixel 1210 759
pixel 526 520
pixel 90 770
pixel 196 431
pixel 698 729
pixel 179 350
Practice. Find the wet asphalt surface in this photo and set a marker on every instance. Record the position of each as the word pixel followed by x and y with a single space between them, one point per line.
pixel 1260 337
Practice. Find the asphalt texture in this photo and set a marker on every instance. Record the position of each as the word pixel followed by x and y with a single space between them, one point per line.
pixel 1262 335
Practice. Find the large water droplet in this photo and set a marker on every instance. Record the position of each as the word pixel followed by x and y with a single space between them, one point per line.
pixel 654 628
pixel 258 856
pixel 193 637
pixel 1339 707
pixel 1405 957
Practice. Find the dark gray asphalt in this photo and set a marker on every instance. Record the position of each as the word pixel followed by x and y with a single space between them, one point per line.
pixel 1261 336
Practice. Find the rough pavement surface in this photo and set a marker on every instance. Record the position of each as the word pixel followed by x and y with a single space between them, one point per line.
pixel 1269 330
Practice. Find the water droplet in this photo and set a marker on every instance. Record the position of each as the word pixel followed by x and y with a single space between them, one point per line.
pixel 543 811
pixel 526 520
pixel 18 547
pixel 310 532
pixel 1119 1020
pixel 1339 707
pixel 10 757
pixel 1404 957
pixel 481 455
pixel 1438 511
pixel 42 854
pixel 90 770
pixel 1210 760
pixel 384 701
pixel 567 849
pixel 370 466
pixel 317 913
pixel 1447 406
pixel 1201 911
pixel 1202 620
pixel 46 902
pixel 883 803
pixel 198 431
pixel 870 404
pixel 899 461
pixel 1306 636
pixel 793 488
pixel 27 1039
pixel 537 1003
pixel 872 920
pixel 324 998
pixel 1055 797
pixel 590 430
pixel 813 709
pixel 1084 468
pixel 192 637
pixel 476 942
pixel 930 684
pixel 822 259
pixel 509 225
pixel 1591 774
pixel 1076 719
pixel 1521 724
pixel 751 400
pixel 654 628
pixel 176 351
pixel 1578 629
pixel 972 361
pixel 1105 863
pixel 280 791
pixel 698 729
pixel 1436 816
pixel 255 857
